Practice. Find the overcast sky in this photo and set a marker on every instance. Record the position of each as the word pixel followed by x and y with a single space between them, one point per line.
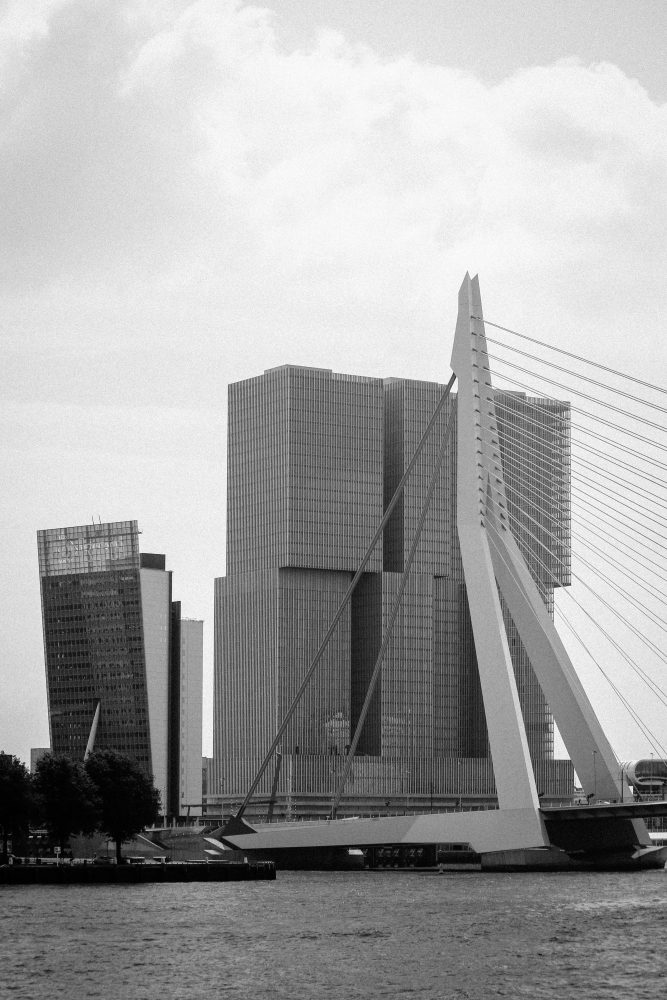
pixel 195 192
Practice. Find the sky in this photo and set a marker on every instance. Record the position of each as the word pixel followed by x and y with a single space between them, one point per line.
pixel 196 192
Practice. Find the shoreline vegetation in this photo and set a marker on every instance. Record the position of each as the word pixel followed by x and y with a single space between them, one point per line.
pixel 108 793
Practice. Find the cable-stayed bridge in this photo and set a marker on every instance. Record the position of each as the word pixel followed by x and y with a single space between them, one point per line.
pixel 510 537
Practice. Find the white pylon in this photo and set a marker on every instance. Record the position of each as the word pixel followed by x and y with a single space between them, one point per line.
pixel 491 556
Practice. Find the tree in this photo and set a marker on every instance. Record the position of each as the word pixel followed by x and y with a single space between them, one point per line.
pixel 68 800
pixel 16 800
pixel 129 800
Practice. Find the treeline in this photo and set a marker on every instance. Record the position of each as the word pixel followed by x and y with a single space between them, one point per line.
pixel 108 794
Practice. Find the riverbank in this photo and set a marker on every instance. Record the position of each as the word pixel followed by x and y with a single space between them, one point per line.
pixel 136 874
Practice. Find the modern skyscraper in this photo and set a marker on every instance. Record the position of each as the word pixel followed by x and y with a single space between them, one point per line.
pixel 116 674
pixel 313 459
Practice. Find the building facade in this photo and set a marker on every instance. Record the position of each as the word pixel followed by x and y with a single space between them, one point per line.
pixel 112 645
pixel 314 458
pixel 189 721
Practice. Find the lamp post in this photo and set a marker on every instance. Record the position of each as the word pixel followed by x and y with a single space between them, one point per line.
pixel 595 775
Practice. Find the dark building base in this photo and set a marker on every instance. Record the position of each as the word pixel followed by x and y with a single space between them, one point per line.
pixel 429 857
pixel 314 859
pixel 136 874
pixel 551 859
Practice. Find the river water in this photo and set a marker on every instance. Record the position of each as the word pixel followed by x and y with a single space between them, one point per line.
pixel 341 935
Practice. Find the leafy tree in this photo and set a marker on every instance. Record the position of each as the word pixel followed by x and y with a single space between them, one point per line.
pixel 129 799
pixel 16 800
pixel 68 800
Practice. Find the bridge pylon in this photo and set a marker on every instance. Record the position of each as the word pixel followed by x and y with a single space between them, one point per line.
pixel 611 834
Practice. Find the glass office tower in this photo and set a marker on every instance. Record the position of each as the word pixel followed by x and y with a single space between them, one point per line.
pixel 314 458
pixel 112 645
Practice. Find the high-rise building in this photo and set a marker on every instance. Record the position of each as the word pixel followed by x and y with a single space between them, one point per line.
pixel 314 458
pixel 118 674
pixel 189 718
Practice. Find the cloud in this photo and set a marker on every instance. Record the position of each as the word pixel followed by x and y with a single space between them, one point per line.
pixel 181 153
pixel 126 430
pixel 176 177
pixel 187 202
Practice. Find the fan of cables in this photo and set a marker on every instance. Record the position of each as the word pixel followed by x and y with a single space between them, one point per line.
pixel 594 523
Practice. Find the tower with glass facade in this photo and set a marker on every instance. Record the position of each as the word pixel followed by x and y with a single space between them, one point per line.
pixel 116 674
pixel 314 458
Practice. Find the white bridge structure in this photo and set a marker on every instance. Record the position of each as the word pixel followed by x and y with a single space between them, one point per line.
pixel 609 831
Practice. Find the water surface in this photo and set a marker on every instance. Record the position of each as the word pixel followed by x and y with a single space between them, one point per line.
pixel 341 935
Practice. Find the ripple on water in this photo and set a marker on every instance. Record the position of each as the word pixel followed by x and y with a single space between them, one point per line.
pixel 340 935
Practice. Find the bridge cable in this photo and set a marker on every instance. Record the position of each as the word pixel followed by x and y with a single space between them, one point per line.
pixel 559 541
pixel 647 614
pixel 525 472
pixel 652 739
pixel 647 680
pixel 501 395
pixel 655 687
pixel 386 639
pixel 515 441
pixel 552 489
pixel 603 420
pixel 577 516
pixel 569 371
pixel 509 449
pixel 577 357
pixel 577 392
pixel 645 563
pixel 499 401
